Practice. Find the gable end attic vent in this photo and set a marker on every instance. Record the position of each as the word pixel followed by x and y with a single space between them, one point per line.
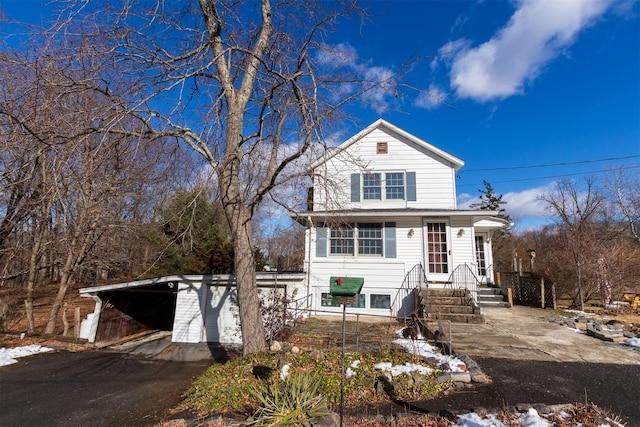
pixel 381 148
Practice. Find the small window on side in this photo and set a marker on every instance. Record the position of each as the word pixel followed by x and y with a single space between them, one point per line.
pixel 382 148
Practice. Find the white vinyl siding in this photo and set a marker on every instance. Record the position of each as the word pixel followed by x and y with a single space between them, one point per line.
pixel 435 178
pixel 187 324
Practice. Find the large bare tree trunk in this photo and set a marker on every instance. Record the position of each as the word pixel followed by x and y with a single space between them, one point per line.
pixel 252 327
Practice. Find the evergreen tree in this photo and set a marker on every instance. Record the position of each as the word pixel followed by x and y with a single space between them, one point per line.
pixel 490 201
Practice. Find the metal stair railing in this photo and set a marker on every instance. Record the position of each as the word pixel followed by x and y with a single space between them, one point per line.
pixel 416 278
pixel 463 277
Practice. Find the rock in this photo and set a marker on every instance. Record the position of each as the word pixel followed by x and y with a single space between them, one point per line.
pixel 480 377
pixel 430 360
pixel 443 377
pixel 275 346
pixel 330 420
pixel 460 377
pixel 523 407
pixel 295 349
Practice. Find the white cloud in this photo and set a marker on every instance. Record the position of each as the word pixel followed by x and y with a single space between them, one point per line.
pixel 448 52
pixel 377 84
pixel 432 98
pixel 537 32
pixel 525 204
pixel 380 87
pixel 524 207
pixel 338 55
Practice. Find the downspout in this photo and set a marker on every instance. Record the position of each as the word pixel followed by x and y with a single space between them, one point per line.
pixel 310 225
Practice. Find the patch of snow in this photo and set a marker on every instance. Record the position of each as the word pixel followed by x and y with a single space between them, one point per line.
pixel 533 419
pixel 349 373
pixel 426 350
pixel 407 368
pixel 284 372
pixel 474 420
pixel 579 331
pixel 579 312
pixel 355 364
pixel 632 342
pixel 8 356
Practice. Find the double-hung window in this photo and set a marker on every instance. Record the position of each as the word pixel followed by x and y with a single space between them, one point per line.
pixel 342 242
pixel 394 185
pixel 370 239
pixel 360 239
pixel 371 186
pixel 383 186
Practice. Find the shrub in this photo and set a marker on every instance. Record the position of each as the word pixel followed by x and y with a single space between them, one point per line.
pixel 294 401
pixel 231 387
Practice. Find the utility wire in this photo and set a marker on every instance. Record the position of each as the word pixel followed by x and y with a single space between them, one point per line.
pixel 549 176
pixel 549 165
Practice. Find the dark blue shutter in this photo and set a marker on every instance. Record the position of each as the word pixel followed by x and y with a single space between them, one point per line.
pixel 390 239
pixel 321 241
pixel 355 187
pixel 411 186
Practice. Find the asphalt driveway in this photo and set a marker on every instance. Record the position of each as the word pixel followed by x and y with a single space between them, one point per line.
pixel 92 388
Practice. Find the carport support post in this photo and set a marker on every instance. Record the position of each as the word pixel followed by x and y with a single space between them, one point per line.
pixel 76 321
pixel 542 290
pixel 344 314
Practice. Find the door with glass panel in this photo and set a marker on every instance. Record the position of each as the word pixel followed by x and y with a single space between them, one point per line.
pixel 437 252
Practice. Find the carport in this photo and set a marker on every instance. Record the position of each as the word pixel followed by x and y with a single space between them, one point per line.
pixel 195 308
pixel 126 309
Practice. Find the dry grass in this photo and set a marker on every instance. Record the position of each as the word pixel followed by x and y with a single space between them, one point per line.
pixel 16 318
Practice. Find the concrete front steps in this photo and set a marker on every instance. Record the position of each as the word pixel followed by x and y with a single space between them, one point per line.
pixel 455 305
pixel 491 296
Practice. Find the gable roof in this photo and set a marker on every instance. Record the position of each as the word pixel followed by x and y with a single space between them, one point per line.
pixel 382 123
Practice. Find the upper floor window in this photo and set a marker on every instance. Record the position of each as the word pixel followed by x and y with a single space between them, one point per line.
pixel 371 186
pixel 394 185
pixel 383 186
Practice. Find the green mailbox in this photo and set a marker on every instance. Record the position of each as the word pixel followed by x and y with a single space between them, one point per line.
pixel 345 286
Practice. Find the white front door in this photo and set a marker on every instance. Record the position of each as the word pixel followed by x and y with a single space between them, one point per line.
pixel 437 250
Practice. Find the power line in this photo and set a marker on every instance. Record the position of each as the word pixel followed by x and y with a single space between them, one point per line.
pixel 550 164
pixel 548 177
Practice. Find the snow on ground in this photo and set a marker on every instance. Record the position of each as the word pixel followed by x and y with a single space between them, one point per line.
pixel 632 342
pixel 8 356
pixel 528 419
pixel 531 418
pixel 422 348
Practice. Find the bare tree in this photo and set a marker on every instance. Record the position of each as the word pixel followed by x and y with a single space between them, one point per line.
pixel 233 80
pixel 624 193
pixel 575 210
pixel 69 185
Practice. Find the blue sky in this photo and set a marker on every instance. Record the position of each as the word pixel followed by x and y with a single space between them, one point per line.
pixel 512 84
pixel 500 84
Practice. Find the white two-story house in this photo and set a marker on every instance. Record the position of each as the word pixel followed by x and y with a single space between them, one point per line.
pixel 383 207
